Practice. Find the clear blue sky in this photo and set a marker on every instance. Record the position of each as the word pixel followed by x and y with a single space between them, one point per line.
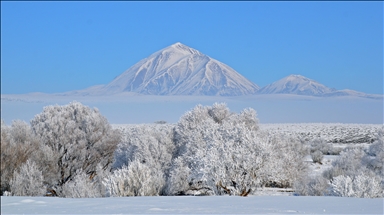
pixel 55 47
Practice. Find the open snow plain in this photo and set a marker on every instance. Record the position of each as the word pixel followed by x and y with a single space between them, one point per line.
pixel 192 205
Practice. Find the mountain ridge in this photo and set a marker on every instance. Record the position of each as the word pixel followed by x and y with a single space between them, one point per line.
pixel 181 70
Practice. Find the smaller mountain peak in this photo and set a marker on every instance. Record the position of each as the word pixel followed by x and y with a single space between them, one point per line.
pixel 298 78
pixel 296 84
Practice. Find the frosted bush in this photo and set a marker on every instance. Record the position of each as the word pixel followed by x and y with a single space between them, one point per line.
pixel 135 180
pixel 317 156
pixel 179 179
pixel 324 147
pixel 349 162
pixel 285 164
pixel 81 186
pixel 7 193
pixel 312 186
pixel 342 186
pixel 357 174
pixel 28 181
pixel 362 186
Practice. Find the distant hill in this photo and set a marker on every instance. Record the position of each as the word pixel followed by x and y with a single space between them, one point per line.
pixel 300 85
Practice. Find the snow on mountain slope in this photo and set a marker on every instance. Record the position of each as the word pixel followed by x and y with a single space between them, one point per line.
pixel 180 70
pixel 296 84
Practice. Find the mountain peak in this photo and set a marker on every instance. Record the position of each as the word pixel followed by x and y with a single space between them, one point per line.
pixel 181 70
pixel 296 84
pixel 178 48
pixel 177 44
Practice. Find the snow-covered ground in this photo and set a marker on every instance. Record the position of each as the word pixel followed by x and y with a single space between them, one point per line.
pixel 331 132
pixel 192 205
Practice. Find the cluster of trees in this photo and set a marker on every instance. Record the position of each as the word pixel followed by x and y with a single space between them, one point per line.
pixel 72 151
pixel 210 151
pixel 63 146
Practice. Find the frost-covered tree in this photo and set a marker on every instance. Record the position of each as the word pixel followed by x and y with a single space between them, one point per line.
pixel 28 181
pixel 18 144
pixel 152 144
pixel 79 137
pixel 219 152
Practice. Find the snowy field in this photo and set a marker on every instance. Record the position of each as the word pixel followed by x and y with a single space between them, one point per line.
pixel 339 134
pixel 192 205
pixel 342 133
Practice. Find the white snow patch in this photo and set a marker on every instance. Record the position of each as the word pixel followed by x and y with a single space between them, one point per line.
pixel 195 205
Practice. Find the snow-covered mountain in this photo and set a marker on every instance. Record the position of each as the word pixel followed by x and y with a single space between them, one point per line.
pixel 179 70
pixel 296 84
pixel 300 85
